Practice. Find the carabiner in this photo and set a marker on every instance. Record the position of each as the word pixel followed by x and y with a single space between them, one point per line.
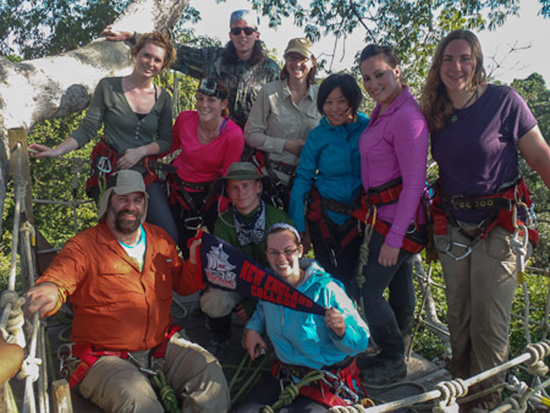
pixel 452 244
pixel 103 165
pixel 193 223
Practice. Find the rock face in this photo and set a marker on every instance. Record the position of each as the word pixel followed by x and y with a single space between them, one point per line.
pixel 35 90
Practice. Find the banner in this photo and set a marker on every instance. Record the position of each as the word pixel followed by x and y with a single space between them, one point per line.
pixel 227 268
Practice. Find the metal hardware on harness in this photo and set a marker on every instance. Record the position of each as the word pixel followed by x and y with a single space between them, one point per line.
pixel 412 228
pixel 136 363
pixel 339 386
pixel 66 359
pixel 193 223
pixel 104 165
pixel 147 371
pixel 452 244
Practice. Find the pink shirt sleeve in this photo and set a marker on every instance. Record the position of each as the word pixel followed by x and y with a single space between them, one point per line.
pixel 410 137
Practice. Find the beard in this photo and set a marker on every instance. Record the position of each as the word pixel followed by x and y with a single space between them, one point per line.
pixel 126 226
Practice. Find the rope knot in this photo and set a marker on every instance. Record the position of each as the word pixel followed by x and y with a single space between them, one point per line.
pixel 517 405
pixel 11 297
pixel 538 352
pixel 450 391
pixel 30 368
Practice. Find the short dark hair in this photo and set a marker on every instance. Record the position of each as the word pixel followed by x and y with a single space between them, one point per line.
pixel 389 55
pixel 350 89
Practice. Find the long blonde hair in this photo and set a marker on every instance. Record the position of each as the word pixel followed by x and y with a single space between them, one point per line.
pixel 435 102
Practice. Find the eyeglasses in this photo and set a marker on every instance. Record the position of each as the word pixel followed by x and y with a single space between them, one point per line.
pixel 296 59
pixel 235 31
pixel 289 252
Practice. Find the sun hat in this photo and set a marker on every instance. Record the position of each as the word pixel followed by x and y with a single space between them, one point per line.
pixel 300 45
pixel 243 171
pixel 122 183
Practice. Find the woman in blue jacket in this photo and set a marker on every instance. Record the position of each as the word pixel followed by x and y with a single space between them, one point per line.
pixel 302 341
pixel 329 171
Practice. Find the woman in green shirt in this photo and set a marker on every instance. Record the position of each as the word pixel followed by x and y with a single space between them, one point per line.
pixel 137 118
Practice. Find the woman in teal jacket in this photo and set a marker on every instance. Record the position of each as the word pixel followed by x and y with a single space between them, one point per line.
pixel 304 342
pixel 330 170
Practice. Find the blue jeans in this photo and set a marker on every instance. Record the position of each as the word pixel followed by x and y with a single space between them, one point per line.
pixel 387 320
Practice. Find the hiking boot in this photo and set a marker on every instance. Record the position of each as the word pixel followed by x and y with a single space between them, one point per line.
pixel 367 360
pixel 386 372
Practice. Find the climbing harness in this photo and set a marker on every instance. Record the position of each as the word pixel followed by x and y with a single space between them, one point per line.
pixel 77 359
pixel 103 163
pixel 335 237
pixel 503 211
pixel 278 194
pixel 332 386
pixel 416 236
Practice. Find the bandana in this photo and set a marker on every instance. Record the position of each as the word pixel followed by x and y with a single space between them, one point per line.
pixel 252 231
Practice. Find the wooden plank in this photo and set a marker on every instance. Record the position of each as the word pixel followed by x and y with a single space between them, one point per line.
pixel 61 396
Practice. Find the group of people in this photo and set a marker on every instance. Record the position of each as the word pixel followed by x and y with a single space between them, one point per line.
pixel 347 183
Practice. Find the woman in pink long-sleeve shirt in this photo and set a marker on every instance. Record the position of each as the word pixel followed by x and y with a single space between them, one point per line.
pixel 394 150
pixel 210 142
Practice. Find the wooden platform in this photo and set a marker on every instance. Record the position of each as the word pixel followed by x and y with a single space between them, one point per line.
pixel 422 374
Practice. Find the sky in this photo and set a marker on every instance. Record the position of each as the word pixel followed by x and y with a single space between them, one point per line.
pixel 528 33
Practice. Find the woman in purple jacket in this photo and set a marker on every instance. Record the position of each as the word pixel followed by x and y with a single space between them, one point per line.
pixel 393 150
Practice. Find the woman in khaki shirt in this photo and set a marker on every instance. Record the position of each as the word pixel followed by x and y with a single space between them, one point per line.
pixel 284 113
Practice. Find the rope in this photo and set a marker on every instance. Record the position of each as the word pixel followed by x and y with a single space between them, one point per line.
pixel 355 408
pixel 364 257
pixel 167 394
pixel 30 369
pixel 253 379
pixel 237 374
pixel 182 308
pixel 538 351
pixel 450 392
pixel 10 301
pixel 292 391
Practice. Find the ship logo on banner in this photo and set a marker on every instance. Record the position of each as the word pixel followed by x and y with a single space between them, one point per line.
pixel 219 271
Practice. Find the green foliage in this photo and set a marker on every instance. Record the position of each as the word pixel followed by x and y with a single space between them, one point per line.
pixel 36 28
pixel 413 28
pixel 545 9
pixel 537 96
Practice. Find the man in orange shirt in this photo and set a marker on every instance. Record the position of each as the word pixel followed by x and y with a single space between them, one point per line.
pixel 120 275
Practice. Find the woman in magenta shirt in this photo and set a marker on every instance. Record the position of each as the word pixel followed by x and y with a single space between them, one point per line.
pixel 394 151
pixel 209 143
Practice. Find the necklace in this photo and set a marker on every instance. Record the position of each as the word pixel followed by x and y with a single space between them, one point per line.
pixel 473 98
pixel 210 136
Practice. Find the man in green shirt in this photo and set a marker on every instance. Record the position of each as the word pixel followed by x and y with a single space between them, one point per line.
pixel 243 226
pixel 242 64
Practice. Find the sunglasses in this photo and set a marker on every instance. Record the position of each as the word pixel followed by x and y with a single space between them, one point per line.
pixel 235 31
